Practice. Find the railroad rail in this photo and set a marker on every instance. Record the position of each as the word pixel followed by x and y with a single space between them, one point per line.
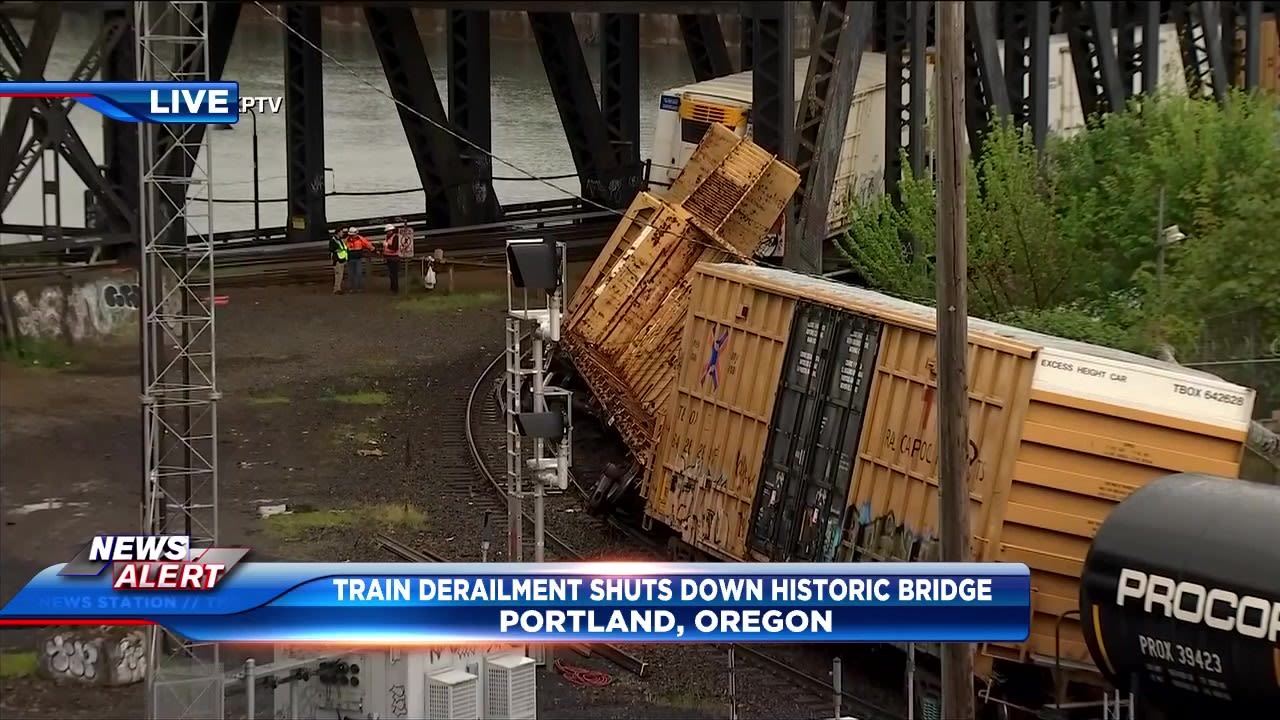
pixel 514 212
pixel 242 263
pixel 804 689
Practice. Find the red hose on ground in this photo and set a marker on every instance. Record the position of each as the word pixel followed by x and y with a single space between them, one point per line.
pixel 582 677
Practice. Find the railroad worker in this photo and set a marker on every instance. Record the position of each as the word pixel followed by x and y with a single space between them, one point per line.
pixel 358 246
pixel 338 255
pixel 391 254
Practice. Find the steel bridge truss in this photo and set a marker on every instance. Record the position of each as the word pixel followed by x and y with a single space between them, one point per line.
pixel 51 129
pixel 179 386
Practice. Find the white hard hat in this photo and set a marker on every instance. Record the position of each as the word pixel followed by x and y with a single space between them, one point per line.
pixel 352 230
pixel 389 227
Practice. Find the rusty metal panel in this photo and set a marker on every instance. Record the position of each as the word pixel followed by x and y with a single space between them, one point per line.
pixel 624 323
pixel 813 436
pixel 716 426
pixel 734 189
pixel 639 216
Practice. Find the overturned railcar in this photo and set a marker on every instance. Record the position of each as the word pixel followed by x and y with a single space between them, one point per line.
pixel 802 428
pixel 1180 598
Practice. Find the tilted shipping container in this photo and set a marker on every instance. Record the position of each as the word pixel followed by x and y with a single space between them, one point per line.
pixel 625 320
pixel 804 422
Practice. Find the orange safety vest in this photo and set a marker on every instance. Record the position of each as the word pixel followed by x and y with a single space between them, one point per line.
pixel 357 243
pixel 391 247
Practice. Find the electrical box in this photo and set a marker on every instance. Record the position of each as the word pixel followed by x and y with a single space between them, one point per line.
pixel 511 688
pixel 453 695
pixel 388 683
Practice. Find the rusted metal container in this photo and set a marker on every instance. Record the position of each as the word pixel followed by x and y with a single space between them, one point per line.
pixel 624 323
pixel 803 429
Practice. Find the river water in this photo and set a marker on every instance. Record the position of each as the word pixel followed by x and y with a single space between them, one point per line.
pixel 364 142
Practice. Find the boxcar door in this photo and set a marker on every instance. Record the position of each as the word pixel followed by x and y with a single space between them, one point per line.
pixel 847 375
pixel 777 495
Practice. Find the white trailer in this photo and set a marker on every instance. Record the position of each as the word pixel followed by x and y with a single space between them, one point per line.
pixel 684 113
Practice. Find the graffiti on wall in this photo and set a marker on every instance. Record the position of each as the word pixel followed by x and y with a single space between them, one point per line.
pixel 77 312
pixel 104 657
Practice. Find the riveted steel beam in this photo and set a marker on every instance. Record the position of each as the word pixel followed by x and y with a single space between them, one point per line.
pixel 620 94
pixel 906 103
pixel 470 110
pixel 1137 45
pixel 426 127
pixel 30 67
pixel 1093 55
pixel 1252 44
pixel 773 78
pixel 987 95
pixel 840 37
pixel 120 140
pixel 52 126
pixel 599 171
pixel 1026 66
pixel 704 41
pixel 304 123
pixel 1199 32
pixel 772 122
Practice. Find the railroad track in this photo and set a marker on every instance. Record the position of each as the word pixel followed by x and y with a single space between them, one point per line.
pixel 471 479
pixel 762 669
pixel 242 263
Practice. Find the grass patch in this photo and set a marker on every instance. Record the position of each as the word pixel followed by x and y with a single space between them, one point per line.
pixel 299 525
pixel 269 400
pixel 439 302
pixel 361 397
pixel 17 664
pixel 684 699
pixel 47 354
pixel 345 435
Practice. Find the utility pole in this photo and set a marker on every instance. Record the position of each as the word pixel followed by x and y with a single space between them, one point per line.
pixel 953 332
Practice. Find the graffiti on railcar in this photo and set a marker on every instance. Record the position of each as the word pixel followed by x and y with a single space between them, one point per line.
pixel 904 445
pixel 885 538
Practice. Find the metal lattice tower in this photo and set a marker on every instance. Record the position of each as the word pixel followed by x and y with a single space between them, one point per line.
pixel 179 389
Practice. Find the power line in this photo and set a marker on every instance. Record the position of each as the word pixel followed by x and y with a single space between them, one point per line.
pixel 372 193
pixel 467 141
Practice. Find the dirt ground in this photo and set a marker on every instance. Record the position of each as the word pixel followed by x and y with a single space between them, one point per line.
pixel 344 409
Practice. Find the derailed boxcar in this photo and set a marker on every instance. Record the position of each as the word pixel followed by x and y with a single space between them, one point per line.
pixel 1180 597
pixel 803 423
pixel 622 328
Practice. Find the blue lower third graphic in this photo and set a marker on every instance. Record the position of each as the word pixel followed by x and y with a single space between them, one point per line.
pixel 618 602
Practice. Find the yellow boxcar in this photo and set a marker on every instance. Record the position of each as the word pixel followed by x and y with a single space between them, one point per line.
pixel 803 428
pixel 622 327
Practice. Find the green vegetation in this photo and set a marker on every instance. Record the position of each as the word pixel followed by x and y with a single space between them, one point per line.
pixel 17 664
pixel 1064 242
pixel 37 353
pixel 361 397
pixel 440 302
pixel 269 400
pixel 300 525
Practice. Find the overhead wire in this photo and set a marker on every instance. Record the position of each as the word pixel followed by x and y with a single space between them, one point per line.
pixel 366 193
pixel 469 143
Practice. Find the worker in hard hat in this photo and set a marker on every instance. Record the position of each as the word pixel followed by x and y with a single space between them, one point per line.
pixel 358 247
pixel 391 254
pixel 338 255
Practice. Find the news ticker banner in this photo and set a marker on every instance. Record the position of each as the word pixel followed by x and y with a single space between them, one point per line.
pixel 396 603
pixel 198 103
